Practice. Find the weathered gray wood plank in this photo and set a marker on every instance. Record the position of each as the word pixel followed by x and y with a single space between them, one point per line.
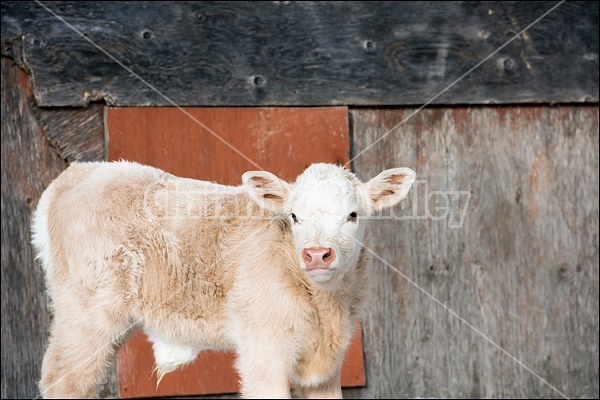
pixel 305 53
pixel 29 163
pixel 523 268
pixel 77 134
pixel 27 167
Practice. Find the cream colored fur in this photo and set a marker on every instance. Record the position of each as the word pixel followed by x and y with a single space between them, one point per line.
pixel 199 265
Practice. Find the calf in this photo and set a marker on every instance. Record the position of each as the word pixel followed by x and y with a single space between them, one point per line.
pixel 273 270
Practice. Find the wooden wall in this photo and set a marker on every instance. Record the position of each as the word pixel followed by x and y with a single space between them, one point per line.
pixel 286 53
pixel 522 268
pixel 37 145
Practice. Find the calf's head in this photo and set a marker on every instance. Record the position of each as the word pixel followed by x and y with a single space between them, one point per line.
pixel 327 208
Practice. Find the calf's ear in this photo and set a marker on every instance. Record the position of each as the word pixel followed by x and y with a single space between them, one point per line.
pixel 267 190
pixel 389 187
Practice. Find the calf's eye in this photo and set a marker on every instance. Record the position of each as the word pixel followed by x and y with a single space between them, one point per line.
pixel 294 217
pixel 352 217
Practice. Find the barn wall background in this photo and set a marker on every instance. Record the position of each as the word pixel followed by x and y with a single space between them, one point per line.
pixel 514 144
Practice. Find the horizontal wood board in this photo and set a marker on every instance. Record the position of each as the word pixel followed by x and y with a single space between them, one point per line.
pixel 283 53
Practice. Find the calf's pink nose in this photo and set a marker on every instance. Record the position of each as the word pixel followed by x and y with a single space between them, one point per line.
pixel 318 257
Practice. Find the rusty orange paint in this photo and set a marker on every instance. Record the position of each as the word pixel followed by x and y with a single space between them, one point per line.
pixel 192 143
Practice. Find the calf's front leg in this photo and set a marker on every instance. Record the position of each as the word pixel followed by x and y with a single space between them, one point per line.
pixel 264 370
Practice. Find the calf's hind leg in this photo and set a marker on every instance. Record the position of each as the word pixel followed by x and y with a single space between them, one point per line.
pixel 82 344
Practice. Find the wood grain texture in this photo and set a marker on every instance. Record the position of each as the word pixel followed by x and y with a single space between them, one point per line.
pixel 281 140
pixel 305 53
pixel 522 268
pixel 284 141
pixel 29 163
pixel 77 134
pixel 27 168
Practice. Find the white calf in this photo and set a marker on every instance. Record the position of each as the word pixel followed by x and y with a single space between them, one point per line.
pixel 275 271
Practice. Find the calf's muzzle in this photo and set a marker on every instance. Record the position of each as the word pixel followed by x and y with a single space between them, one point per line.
pixel 318 257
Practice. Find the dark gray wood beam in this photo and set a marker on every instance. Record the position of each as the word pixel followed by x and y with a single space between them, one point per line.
pixel 304 53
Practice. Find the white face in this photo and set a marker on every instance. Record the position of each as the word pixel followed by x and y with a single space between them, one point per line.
pixel 326 208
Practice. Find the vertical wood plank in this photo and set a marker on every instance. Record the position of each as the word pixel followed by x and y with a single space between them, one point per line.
pixel 282 140
pixel 30 160
pixel 522 268
pixel 28 166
